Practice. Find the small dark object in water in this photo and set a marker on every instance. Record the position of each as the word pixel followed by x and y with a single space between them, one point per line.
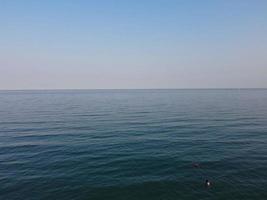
pixel 196 165
pixel 207 183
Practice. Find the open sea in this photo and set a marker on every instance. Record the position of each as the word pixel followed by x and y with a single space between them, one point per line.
pixel 133 144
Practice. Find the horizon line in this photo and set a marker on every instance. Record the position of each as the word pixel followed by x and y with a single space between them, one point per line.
pixel 220 88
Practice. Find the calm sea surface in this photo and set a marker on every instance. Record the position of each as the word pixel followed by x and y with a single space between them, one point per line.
pixel 133 144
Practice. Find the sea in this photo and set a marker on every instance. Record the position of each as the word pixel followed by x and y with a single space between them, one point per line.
pixel 133 144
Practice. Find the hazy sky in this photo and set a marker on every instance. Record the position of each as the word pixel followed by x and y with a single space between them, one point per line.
pixel 133 44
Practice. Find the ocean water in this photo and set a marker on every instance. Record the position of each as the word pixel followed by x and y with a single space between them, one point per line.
pixel 133 144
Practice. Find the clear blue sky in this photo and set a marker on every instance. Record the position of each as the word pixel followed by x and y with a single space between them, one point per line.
pixel 56 44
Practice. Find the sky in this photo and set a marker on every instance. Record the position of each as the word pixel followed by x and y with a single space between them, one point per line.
pixel 119 44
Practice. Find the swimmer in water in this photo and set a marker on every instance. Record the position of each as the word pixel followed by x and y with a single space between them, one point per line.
pixel 207 183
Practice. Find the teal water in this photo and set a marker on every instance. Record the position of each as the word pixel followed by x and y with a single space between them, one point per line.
pixel 133 144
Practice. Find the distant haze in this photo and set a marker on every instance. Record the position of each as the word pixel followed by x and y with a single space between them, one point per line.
pixel 133 44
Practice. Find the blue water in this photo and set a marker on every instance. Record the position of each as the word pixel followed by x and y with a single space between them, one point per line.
pixel 133 144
